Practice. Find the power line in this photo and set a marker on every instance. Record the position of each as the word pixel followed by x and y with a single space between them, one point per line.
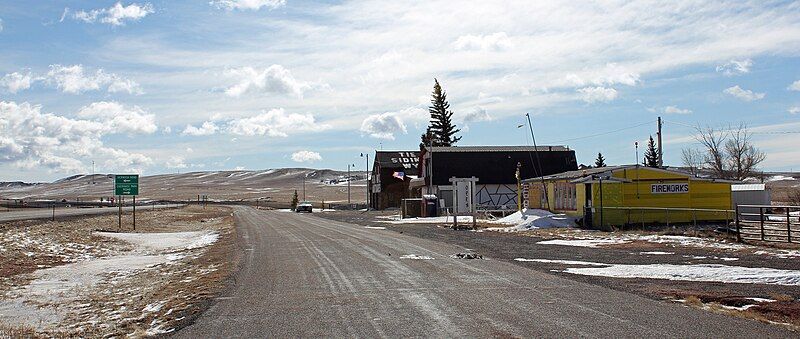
pixel 732 128
pixel 603 133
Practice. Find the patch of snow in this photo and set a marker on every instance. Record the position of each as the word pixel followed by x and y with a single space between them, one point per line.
pixel 700 272
pixel 395 219
pixel 593 243
pixel 780 178
pixel 375 227
pixel 530 219
pixel 166 241
pixel 416 257
pixel 656 253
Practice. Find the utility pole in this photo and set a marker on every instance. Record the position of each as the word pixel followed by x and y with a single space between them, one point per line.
pixel 304 186
pixel 519 187
pixel 538 163
pixel 368 176
pixel 660 149
pixel 430 162
pixel 348 182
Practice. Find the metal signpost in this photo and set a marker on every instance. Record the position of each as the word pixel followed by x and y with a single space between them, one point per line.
pixel 126 185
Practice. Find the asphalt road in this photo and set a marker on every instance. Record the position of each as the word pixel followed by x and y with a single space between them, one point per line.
pixel 303 276
pixel 46 213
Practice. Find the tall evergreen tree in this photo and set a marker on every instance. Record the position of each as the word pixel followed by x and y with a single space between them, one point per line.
pixel 441 129
pixel 600 161
pixel 651 154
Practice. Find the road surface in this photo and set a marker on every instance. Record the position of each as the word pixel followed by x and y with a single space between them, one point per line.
pixel 304 276
pixel 46 213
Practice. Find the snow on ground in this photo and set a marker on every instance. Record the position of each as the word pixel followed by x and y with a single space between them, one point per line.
pixel 700 272
pixel 166 241
pixel 395 219
pixel 594 243
pixel 375 227
pixel 656 253
pixel 779 178
pixel 416 257
pixel 531 219
pixel 33 304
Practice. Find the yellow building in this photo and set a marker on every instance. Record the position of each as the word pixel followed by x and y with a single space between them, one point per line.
pixel 631 195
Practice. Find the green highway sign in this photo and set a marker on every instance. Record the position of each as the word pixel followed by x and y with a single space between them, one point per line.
pixel 126 184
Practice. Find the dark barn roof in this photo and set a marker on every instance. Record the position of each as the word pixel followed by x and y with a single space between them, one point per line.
pixel 407 160
pixel 498 164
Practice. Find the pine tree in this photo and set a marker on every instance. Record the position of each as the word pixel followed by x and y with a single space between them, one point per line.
pixel 295 200
pixel 651 154
pixel 441 128
pixel 600 161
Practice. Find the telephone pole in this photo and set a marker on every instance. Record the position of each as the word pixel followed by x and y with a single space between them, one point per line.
pixel 660 149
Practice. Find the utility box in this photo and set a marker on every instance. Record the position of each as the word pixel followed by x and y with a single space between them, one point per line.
pixel 430 206
pixel 750 194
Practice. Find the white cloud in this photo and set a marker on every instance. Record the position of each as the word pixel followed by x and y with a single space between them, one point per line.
pixel 383 126
pixel 273 79
pixel 275 123
pixel 176 162
pixel 795 86
pixel 35 140
pixel 120 119
pixel 597 94
pixel 494 42
pixel 735 67
pixel 676 110
pixel 306 156
pixel 743 94
pixel 72 79
pixel 476 114
pixel 1 25
pixel 14 82
pixel 247 4
pixel 794 109
pixel 115 15
pixel 608 75
pixel 207 128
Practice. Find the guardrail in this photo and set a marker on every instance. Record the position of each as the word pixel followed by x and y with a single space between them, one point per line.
pixel 768 223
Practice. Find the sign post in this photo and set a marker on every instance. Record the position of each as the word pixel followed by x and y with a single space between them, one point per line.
pixel 127 184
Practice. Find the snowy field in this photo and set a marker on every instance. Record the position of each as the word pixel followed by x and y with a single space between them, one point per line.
pixel 72 280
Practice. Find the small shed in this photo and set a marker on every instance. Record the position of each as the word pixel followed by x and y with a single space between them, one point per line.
pixel 632 194
pixel 750 194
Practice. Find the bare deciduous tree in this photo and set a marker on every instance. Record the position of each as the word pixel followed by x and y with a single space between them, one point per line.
pixel 692 159
pixel 742 156
pixel 712 140
pixel 730 153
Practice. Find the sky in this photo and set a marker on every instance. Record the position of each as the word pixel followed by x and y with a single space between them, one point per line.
pixel 179 86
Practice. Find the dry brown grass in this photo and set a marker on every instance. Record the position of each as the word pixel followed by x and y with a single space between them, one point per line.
pixel 185 287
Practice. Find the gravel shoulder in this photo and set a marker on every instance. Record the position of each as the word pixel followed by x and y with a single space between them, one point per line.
pixel 783 307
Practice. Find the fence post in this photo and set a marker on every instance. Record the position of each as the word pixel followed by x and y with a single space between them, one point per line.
pixel 667 213
pixel 761 216
pixel 788 226
pixel 738 233
pixel 643 227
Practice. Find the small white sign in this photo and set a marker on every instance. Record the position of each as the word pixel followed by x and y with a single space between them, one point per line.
pixel 669 188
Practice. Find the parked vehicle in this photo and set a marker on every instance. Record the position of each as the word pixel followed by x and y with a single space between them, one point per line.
pixel 303 207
